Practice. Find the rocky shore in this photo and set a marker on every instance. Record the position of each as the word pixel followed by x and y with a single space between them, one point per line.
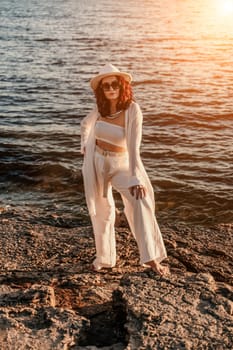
pixel 49 298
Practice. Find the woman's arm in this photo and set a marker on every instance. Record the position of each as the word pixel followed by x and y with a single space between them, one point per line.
pixel 135 182
pixel 135 136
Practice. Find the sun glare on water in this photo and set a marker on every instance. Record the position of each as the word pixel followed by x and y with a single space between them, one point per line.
pixel 220 17
pixel 225 7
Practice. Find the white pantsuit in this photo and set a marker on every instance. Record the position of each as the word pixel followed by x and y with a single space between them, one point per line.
pixel 138 212
pixel 123 171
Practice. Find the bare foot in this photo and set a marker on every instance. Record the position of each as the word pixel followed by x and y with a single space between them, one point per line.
pixel 94 269
pixel 97 269
pixel 158 268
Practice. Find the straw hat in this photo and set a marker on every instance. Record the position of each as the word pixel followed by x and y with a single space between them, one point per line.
pixel 107 71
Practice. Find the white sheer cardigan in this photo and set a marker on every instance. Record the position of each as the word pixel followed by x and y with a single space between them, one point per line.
pixel 137 173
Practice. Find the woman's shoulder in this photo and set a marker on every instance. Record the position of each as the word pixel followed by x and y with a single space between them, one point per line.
pixel 134 106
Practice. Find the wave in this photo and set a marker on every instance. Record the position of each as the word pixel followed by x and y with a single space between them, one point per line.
pixel 47 39
pixel 31 174
pixel 147 81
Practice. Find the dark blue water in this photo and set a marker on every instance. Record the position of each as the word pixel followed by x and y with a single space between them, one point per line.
pixel 180 54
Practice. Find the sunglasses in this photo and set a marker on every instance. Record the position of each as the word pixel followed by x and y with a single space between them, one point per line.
pixel 114 85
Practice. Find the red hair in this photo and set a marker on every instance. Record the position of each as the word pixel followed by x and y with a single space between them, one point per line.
pixel 124 100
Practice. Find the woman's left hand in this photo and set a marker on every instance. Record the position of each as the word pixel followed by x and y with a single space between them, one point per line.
pixel 138 190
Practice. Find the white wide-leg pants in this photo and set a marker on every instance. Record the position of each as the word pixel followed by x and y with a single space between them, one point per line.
pixel 139 214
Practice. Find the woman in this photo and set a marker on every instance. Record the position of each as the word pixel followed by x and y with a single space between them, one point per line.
pixel 110 141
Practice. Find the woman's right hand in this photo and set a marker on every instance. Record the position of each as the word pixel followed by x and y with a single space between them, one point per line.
pixel 138 190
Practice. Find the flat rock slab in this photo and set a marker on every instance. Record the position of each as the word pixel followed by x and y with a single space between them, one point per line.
pixel 186 311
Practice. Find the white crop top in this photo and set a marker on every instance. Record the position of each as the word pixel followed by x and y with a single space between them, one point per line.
pixel 111 133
